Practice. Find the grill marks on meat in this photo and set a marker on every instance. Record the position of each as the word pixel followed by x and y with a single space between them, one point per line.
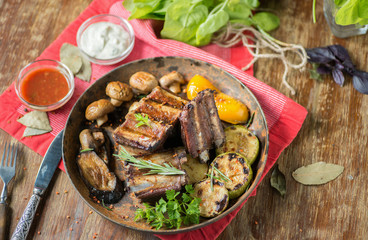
pixel 148 187
pixel 201 127
pixel 163 110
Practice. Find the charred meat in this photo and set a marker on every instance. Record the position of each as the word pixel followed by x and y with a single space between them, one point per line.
pixel 147 187
pixel 201 127
pixel 161 110
pixel 93 167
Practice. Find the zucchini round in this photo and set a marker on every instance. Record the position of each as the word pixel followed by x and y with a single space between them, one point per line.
pixel 213 202
pixel 239 139
pixel 196 171
pixel 235 167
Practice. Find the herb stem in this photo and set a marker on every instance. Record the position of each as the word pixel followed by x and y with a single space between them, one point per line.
pixel 314 11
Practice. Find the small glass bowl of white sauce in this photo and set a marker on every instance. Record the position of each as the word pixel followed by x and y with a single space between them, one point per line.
pixel 105 39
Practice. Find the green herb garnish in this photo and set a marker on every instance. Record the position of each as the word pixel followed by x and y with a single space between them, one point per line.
pixel 87 150
pixel 173 211
pixel 221 177
pixel 142 120
pixel 166 169
pixel 103 204
pixel 250 121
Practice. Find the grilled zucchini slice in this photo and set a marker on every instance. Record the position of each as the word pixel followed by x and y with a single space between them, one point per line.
pixel 196 171
pixel 213 202
pixel 235 167
pixel 239 139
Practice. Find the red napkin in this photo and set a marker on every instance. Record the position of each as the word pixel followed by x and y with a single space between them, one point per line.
pixel 284 116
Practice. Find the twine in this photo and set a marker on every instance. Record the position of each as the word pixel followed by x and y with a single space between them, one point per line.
pixel 232 34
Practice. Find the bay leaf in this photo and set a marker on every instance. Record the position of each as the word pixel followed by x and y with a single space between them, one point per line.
pixel 278 181
pixel 317 173
pixel 36 119
pixel 71 56
pixel 33 132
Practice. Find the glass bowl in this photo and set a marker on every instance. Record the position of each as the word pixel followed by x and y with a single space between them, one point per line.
pixel 32 70
pixel 105 33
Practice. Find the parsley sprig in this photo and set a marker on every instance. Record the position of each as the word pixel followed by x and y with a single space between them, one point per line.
pixel 165 169
pixel 173 211
pixel 142 120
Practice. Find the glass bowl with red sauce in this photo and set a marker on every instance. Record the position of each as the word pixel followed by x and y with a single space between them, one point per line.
pixel 45 85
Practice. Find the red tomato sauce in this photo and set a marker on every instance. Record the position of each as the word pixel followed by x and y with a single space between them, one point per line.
pixel 44 86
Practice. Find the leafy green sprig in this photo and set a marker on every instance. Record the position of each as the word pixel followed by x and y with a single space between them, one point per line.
pixel 165 169
pixel 172 212
pixel 221 177
pixel 142 120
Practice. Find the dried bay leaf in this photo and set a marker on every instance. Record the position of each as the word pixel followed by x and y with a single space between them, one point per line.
pixel 33 132
pixel 317 173
pixel 36 119
pixel 71 56
pixel 278 181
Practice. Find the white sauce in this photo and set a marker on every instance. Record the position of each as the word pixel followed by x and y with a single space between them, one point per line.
pixel 104 40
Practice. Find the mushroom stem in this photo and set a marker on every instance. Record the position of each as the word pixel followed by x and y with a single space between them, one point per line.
pixel 101 120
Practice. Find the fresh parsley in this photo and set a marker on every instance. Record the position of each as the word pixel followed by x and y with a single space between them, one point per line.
pixel 154 168
pixel 142 120
pixel 172 212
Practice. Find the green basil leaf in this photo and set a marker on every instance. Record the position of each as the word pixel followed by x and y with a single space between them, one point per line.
pixel 238 11
pixel 363 9
pixel 140 8
pixel 182 21
pixel 339 3
pixel 213 23
pixel 266 21
pixel 348 14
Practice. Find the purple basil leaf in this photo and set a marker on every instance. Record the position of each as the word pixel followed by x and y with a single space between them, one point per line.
pixel 339 66
pixel 320 55
pixel 324 69
pixel 342 55
pixel 360 81
pixel 338 76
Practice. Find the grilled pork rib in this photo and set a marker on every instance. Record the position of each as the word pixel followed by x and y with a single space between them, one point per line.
pixel 153 186
pixel 163 110
pixel 201 127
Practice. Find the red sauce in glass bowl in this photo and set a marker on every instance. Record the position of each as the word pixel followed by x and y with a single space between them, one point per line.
pixel 44 86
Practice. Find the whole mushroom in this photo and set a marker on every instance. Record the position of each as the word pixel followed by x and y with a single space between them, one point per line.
pixel 172 81
pixel 98 111
pixel 143 82
pixel 119 92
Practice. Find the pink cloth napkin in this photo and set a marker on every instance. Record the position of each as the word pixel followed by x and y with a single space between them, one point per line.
pixel 284 116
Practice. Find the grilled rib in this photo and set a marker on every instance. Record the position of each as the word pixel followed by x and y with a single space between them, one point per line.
pixel 201 126
pixel 162 109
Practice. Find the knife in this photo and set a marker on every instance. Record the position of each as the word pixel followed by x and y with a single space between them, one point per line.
pixel 44 176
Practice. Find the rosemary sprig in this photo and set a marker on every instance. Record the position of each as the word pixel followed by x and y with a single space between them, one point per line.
pixel 86 150
pixel 221 177
pixel 250 121
pixel 166 169
pixel 142 120
pixel 103 204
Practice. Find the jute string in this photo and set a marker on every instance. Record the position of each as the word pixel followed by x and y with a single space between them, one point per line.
pixel 232 34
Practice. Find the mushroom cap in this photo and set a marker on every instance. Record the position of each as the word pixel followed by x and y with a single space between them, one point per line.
pixel 99 109
pixel 170 78
pixel 119 91
pixel 144 82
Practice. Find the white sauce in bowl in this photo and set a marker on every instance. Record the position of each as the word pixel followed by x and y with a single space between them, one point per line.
pixel 104 40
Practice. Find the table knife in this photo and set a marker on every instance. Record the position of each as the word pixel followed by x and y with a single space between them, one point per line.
pixel 44 176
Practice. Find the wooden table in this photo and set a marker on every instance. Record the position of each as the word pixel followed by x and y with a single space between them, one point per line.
pixel 335 131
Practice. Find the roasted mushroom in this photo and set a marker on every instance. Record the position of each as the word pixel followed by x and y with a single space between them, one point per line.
pixel 101 182
pixel 172 81
pixel 119 92
pixel 143 82
pixel 97 141
pixel 98 111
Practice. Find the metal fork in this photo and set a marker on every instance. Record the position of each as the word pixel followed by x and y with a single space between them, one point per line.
pixel 7 172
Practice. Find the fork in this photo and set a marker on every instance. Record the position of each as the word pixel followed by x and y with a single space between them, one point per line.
pixel 7 172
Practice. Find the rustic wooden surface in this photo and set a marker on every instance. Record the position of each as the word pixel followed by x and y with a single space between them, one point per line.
pixel 335 131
